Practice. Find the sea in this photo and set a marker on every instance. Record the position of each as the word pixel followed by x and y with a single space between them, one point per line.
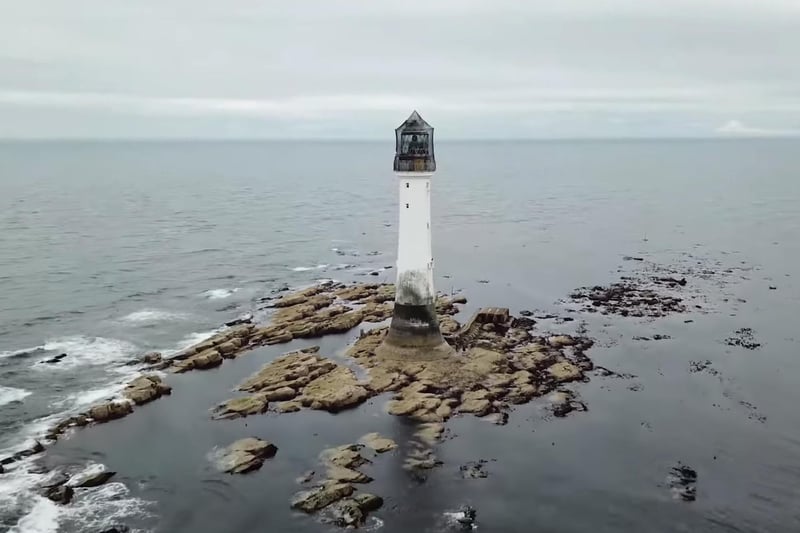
pixel 109 250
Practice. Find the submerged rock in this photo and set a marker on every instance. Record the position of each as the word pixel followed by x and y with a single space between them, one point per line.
pixel 474 470
pixel 246 455
pixel 378 443
pixel 743 337
pixel 682 480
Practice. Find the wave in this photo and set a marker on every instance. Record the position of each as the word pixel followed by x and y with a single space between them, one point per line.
pixel 152 315
pixel 93 396
pixel 92 509
pixel 42 518
pixel 11 394
pixel 83 350
pixel 306 269
pixel 218 294
pixel 192 339
pixel 22 353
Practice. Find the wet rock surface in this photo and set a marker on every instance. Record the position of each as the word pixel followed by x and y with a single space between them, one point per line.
pixel 682 481
pixel 744 338
pixel 145 389
pixel 245 455
pixel 90 479
pixel 628 298
pixel 474 470
pixel 336 495
pixel 377 443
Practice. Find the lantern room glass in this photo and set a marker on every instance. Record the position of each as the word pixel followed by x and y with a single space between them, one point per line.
pixel 414 146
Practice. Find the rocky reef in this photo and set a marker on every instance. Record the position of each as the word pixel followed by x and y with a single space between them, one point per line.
pixel 499 361
pixel 335 496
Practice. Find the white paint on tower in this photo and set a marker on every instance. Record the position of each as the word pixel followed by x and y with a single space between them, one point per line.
pixel 414 253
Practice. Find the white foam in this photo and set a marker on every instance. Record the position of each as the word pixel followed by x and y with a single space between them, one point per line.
pixel 152 315
pixel 84 398
pixel 12 394
pixel 92 509
pixel 219 294
pixel 83 350
pixel 192 339
pixel 23 351
pixel 42 518
pixel 97 509
pixel 306 269
pixel 91 470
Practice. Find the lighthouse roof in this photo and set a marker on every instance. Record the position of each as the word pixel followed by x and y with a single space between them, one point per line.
pixel 414 123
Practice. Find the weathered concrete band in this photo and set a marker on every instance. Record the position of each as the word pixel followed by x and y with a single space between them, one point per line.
pixel 414 326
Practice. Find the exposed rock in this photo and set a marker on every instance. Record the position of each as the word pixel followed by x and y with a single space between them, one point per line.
pixel 244 319
pixel 345 456
pixel 55 359
pixel 151 358
pixel 562 403
pixel 59 494
pixel 146 389
pixel 246 455
pixel 743 337
pixel 378 443
pixel 283 393
pixel 465 518
pixel 321 496
pixel 240 407
pixel 630 297
pixel 682 480
pixel 347 513
pixel 90 479
pixel 348 475
pixel 117 529
pixel 368 502
pixel 561 340
pixel 564 371
pixel 334 391
pixel 109 411
pixel 305 478
pixel 293 370
pixel 474 470
pixel 289 407
pixel 202 361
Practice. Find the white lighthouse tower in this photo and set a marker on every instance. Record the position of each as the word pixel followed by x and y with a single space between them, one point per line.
pixel 414 330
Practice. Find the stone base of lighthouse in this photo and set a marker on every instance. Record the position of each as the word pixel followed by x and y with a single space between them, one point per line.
pixel 414 335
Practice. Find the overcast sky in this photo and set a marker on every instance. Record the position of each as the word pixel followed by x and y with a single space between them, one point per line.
pixel 355 69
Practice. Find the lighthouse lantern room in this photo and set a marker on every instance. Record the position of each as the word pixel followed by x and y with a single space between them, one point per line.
pixel 414 330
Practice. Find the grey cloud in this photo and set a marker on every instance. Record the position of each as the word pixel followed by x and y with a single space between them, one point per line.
pixel 353 68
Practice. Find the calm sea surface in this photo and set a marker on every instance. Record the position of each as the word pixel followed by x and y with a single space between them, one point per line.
pixel 108 250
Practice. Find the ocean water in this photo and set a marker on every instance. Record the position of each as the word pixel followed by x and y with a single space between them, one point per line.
pixel 109 250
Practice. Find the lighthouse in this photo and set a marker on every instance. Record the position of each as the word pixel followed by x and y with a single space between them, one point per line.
pixel 414 330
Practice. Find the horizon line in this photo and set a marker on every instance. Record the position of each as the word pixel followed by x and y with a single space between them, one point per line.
pixel 391 140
